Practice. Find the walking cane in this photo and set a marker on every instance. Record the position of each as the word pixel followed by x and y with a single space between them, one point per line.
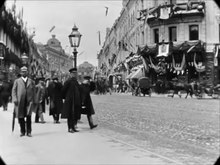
pixel 13 121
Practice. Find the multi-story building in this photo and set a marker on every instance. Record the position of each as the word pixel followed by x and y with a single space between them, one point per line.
pixel 171 39
pixel 39 66
pixel 13 42
pixel 59 61
pixel 85 69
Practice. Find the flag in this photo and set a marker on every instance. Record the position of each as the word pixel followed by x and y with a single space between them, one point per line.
pixel 52 29
pixel 99 38
pixel 216 57
pixel 106 11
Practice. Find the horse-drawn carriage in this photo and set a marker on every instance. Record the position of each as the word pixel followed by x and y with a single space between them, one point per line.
pixel 143 86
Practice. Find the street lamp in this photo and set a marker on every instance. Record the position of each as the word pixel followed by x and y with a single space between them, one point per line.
pixel 74 39
pixel 24 59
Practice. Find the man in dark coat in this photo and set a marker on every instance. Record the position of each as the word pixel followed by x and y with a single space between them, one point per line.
pixel 72 104
pixel 87 106
pixel 23 93
pixel 56 100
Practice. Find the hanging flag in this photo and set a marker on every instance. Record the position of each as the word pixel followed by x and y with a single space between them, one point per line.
pixel 165 12
pixel 216 57
pixel 145 64
pixel 106 11
pixel 99 38
pixel 52 29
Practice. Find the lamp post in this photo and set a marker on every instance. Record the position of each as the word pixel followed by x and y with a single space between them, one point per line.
pixel 24 59
pixel 74 39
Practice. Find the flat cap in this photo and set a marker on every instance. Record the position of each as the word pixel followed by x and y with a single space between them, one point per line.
pixel 72 70
pixel 24 69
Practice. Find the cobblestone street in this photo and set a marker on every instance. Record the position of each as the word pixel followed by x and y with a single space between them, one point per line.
pixel 186 130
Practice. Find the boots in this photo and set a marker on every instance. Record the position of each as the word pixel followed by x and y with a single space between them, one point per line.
pixel 90 120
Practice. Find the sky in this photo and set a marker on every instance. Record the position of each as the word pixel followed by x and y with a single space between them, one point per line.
pixel 88 15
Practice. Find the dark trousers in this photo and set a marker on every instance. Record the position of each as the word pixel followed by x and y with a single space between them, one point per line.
pixel 25 126
pixel 90 120
pixel 56 117
pixel 71 120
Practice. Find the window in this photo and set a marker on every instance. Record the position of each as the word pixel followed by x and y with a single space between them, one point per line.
pixel 156 35
pixel 193 32
pixel 172 34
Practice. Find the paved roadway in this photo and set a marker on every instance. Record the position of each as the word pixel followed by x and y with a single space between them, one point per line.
pixel 185 130
pixel 132 130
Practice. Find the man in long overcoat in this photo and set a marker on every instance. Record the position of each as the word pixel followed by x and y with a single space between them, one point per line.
pixel 87 106
pixel 23 92
pixel 56 102
pixel 72 104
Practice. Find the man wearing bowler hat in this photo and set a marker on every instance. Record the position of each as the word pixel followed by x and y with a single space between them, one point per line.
pixel 23 92
pixel 72 104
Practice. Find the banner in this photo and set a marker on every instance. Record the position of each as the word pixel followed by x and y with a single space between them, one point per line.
pixel 163 50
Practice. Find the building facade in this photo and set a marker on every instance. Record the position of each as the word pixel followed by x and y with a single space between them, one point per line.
pixel 85 69
pixel 14 42
pixel 59 61
pixel 167 39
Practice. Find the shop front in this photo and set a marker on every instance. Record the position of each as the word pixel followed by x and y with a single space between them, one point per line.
pixel 185 61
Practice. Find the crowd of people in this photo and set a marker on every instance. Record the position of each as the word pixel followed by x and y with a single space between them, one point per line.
pixel 67 100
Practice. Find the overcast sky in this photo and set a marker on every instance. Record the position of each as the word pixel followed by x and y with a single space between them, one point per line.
pixel 88 15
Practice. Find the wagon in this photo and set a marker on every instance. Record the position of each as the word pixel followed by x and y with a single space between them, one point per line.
pixel 144 86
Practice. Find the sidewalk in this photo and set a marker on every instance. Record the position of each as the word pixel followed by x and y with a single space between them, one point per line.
pixel 52 144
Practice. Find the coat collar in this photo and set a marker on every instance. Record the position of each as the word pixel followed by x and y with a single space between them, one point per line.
pixel 28 81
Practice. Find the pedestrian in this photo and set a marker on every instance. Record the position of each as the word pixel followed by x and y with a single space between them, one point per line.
pixel 23 92
pixel 40 100
pixel 72 104
pixel 56 102
pixel 87 106
pixel 5 92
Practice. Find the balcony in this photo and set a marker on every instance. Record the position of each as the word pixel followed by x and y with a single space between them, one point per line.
pixel 169 13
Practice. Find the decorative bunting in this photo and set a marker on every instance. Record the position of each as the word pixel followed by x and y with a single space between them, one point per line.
pixel 181 66
pixel 199 67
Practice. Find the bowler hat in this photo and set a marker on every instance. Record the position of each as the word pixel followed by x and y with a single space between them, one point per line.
pixel 72 70
pixel 24 69
pixel 40 78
